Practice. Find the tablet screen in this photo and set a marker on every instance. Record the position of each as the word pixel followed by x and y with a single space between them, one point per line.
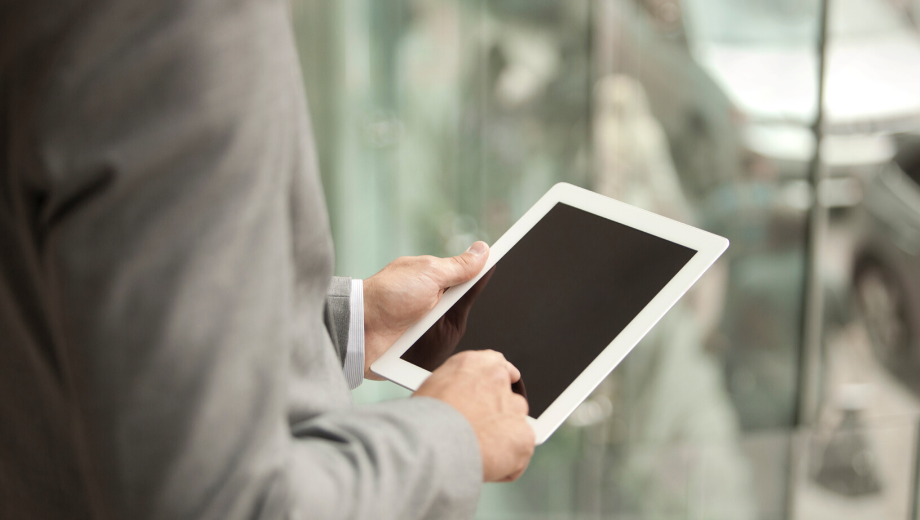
pixel 555 300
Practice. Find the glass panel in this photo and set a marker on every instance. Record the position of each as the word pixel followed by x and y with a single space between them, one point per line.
pixel 852 467
pixel 857 467
pixel 697 123
pixel 869 258
pixel 440 122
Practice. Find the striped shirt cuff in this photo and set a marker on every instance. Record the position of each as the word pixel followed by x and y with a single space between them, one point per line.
pixel 354 355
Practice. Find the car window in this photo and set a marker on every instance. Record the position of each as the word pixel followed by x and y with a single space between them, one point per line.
pixel 786 22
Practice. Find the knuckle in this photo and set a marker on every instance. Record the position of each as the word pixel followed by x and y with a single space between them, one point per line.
pixel 462 261
pixel 521 403
pixel 527 446
pixel 531 441
pixel 466 355
pixel 477 355
pixel 494 356
pixel 498 374
pixel 429 263
pixel 464 358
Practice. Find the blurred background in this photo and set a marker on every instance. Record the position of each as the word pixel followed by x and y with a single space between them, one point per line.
pixel 786 385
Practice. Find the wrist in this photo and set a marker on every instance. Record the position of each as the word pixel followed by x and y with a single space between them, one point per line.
pixel 374 342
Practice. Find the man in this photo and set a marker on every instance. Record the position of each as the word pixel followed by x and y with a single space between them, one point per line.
pixel 167 345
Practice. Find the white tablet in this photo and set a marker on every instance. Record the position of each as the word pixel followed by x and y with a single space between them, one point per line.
pixel 566 293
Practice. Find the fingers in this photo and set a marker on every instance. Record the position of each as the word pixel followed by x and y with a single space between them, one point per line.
pixel 525 444
pixel 513 372
pixel 513 454
pixel 478 385
pixel 498 358
pixel 458 269
pixel 519 404
pixel 487 359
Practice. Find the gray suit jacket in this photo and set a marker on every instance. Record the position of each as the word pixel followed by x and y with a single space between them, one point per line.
pixel 165 346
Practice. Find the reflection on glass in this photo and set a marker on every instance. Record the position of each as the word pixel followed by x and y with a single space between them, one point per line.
pixel 781 23
pixel 440 122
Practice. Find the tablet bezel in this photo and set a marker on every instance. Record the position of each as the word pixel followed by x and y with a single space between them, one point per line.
pixel 708 248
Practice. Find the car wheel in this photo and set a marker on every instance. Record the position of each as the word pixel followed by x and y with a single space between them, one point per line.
pixel 881 303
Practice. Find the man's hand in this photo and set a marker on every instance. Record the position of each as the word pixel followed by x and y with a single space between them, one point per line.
pixel 405 290
pixel 478 384
pixel 441 339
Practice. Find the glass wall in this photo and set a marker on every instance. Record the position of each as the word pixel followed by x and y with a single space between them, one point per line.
pixel 440 122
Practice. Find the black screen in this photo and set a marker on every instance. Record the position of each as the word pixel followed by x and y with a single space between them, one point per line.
pixel 555 300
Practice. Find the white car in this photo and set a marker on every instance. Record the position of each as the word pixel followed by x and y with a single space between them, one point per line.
pixel 763 53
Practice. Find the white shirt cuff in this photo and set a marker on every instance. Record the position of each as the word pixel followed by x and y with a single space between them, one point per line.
pixel 354 355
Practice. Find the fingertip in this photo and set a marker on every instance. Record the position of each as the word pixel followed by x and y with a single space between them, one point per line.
pixel 461 268
pixel 478 248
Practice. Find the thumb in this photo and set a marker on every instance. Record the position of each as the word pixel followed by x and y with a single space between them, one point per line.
pixel 458 269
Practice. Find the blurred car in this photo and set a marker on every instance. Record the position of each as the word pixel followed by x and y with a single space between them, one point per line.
pixel 734 86
pixel 764 55
pixel 886 277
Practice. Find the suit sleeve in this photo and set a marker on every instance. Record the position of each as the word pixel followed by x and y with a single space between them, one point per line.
pixel 337 314
pixel 171 146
